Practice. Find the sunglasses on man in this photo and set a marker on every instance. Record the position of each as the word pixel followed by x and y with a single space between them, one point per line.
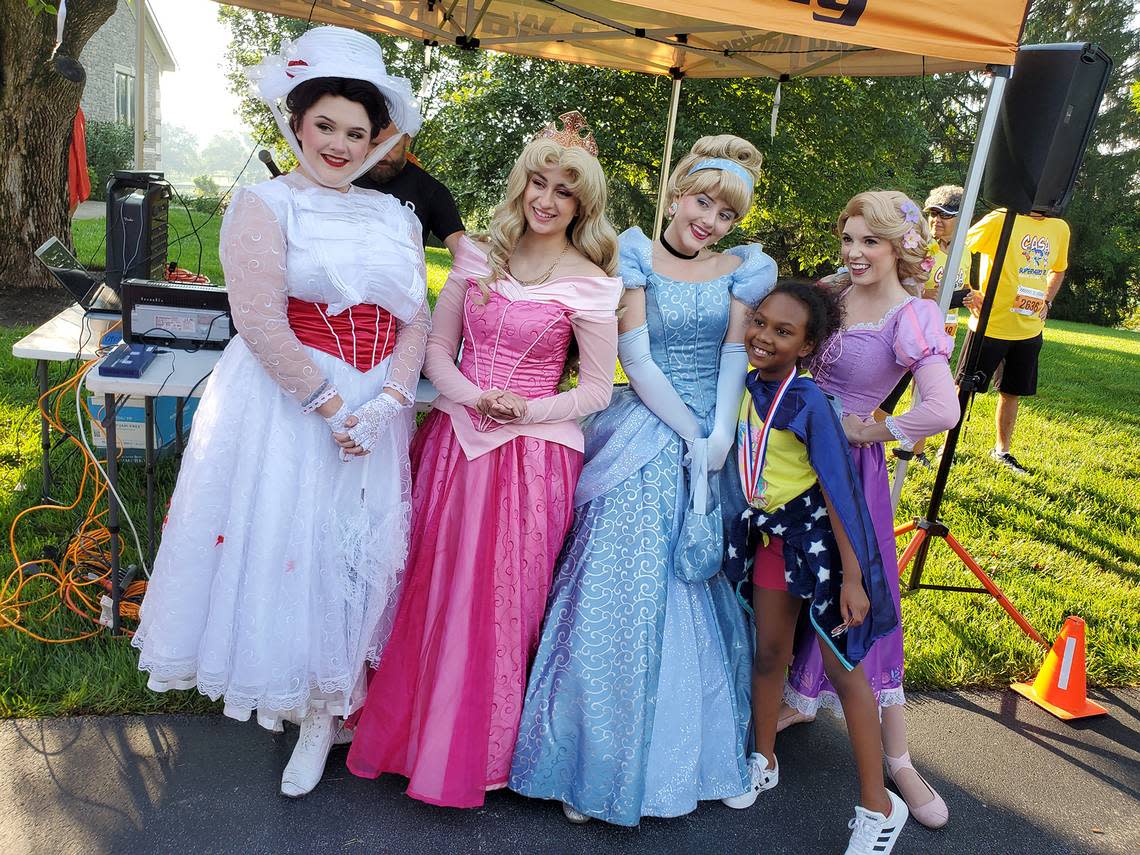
pixel 942 215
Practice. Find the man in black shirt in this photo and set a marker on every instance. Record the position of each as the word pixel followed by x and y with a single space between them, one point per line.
pixel 396 175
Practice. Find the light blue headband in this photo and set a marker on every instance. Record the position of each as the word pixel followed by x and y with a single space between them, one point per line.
pixel 726 165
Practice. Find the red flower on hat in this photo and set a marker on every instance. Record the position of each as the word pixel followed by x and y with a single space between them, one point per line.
pixel 293 62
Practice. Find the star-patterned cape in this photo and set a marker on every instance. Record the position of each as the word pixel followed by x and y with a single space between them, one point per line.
pixel 812 568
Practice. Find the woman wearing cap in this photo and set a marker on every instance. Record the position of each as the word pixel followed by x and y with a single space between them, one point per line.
pixel 494 468
pixel 638 700
pixel 283 551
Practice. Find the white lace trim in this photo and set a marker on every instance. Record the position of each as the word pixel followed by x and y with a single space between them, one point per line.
pixel 904 441
pixel 324 394
pixel 406 393
pixel 882 322
pixel 830 701
pixel 372 556
pixel 335 696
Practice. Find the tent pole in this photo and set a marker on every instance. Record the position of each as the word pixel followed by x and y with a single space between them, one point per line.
pixel 667 157
pixel 140 80
pixel 986 129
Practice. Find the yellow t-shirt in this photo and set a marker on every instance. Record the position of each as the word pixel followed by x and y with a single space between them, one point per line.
pixel 786 468
pixel 1037 248
pixel 934 281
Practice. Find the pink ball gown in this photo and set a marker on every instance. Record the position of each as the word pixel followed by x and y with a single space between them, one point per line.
pixel 491 505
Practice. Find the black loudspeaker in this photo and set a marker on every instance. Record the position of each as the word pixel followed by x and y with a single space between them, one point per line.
pixel 137 212
pixel 1044 126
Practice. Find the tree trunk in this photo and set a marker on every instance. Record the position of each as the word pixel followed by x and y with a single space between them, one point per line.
pixel 37 109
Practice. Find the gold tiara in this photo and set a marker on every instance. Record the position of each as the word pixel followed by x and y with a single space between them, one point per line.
pixel 575 133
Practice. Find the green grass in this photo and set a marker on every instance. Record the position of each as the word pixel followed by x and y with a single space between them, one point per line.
pixel 1063 541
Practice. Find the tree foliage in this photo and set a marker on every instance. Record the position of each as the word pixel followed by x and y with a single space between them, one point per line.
pixel 37 108
pixel 835 137
pixel 110 146
pixel 181 159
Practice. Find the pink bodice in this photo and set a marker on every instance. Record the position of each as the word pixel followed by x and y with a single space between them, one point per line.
pixel 516 345
pixel 517 339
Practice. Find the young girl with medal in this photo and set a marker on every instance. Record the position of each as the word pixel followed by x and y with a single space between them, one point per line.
pixel 888 330
pixel 800 484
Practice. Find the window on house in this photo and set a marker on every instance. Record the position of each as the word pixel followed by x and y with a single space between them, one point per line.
pixel 124 97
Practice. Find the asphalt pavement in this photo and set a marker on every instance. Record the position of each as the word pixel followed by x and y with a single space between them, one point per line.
pixel 1016 779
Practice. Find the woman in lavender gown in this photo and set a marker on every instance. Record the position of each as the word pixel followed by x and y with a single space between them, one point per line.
pixel 888 331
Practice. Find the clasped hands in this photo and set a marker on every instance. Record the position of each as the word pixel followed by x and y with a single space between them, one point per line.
pixel 717 449
pixel 357 432
pixel 501 405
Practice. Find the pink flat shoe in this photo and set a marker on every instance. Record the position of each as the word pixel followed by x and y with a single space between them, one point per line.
pixel 790 716
pixel 932 813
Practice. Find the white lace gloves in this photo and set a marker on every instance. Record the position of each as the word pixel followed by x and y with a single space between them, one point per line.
pixel 653 387
pixel 336 420
pixel 729 390
pixel 372 419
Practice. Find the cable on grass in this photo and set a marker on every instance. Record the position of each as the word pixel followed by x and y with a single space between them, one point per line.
pixel 79 578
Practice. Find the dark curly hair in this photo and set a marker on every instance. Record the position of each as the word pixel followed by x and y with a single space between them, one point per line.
pixel 825 311
pixel 308 93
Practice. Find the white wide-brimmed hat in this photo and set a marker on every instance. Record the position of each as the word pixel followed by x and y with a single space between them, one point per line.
pixel 334 52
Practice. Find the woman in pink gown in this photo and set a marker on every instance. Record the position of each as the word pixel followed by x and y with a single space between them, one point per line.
pixel 494 471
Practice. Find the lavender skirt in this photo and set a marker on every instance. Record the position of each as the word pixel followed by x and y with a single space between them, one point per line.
pixel 808 688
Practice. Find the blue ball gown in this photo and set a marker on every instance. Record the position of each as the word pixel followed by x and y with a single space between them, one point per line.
pixel 638 700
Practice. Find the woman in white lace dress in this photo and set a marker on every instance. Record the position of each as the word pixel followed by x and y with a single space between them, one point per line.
pixel 282 553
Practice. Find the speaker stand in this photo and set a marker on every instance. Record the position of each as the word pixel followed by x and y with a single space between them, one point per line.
pixel 930 527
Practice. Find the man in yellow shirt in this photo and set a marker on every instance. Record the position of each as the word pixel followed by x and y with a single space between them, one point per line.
pixel 1031 276
pixel 941 209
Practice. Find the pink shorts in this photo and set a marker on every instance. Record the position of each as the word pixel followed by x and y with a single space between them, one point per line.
pixel 768 568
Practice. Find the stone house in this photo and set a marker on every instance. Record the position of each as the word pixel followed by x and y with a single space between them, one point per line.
pixel 110 58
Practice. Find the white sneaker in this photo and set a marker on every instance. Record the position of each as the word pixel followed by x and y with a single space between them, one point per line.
pixel 305 767
pixel 875 834
pixel 762 778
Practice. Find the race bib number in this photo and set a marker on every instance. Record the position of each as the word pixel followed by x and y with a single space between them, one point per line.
pixel 1029 301
pixel 952 323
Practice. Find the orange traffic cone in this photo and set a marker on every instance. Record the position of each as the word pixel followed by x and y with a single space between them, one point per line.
pixel 1060 684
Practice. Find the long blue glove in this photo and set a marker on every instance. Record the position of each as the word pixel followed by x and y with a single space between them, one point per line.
pixel 653 387
pixel 729 390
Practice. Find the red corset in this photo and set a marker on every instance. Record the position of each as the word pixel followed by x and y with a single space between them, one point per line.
pixel 362 336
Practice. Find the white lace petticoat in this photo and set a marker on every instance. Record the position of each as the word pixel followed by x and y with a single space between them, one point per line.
pixel 280 564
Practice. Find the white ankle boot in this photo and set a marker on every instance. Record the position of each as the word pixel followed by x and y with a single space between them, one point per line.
pixel 307 764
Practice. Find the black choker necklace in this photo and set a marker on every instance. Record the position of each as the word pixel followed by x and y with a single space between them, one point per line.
pixel 669 249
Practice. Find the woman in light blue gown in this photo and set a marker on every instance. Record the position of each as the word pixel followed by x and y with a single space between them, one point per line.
pixel 638 700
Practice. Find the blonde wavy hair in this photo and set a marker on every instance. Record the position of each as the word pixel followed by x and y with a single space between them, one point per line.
pixel 721 184
pixel 590 232
pixel 892 216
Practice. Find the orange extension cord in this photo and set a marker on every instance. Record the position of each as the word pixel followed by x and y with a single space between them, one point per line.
pixel 83 572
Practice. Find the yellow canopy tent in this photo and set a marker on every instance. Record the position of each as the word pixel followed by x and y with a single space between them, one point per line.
pixel 731 38
pixel 728 38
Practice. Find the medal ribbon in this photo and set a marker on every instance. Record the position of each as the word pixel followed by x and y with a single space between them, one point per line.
pixel 753 451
